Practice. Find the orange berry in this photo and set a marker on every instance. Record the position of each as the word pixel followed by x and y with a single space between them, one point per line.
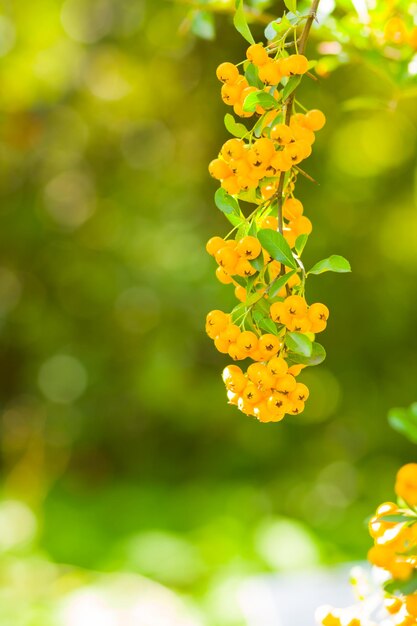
pixel 282 134
pixel 234 378
pixel 318 314
pixel 239 110
pixel 251 393
pixel 231 185
pixel 223 277
pixel 301 226
pixel 249 247
pixel 227 73
pixel 295 306
pixel 214 244
pixel 231 93
pixel 255 372
pixel 277 366
pixel 233 149
pixel 286 384
pixel 279 313
pixel 270 222
pixel 315 120
pixel 216 322
pixel 295 369
pixel 411 604
pixel 277 403
pixel 247 341
pixel 264 149
pixel 227 259
pixel 270 73
pixel 296 64
pixel 244 268
pixel 292 209
pixel 393 604
pixel 236 353
pixel 257 54
pixel 219 169
pixel 240 167
pixel 406 483
pixel 240 293
pixel 297 151
pixel 269 345
pixel 300 393
pixel 295 407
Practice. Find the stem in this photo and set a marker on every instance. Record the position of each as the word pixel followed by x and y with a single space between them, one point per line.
pixel 288 104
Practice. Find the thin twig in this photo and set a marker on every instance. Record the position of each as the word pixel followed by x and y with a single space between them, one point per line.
pixel 288 104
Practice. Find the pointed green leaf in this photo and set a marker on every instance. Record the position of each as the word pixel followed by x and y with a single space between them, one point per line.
pixel 238 312
pixel 265 100
pixel 318 355
pixel 405 587
pixel 334 263
pixel 251 75
pixel 299 343
pixel 292 84
pixel 300 244
pixel 291 5
pixel 275 243
pixel 279 283
pixel 399 518
pixel 240 22
pixel 225 202
pixel 265 323
pixel 234 128
pixel 404 421
pixel 258 263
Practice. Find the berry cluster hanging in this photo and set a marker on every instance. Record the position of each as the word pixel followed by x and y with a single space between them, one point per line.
pixel 272 325
pixel 391 600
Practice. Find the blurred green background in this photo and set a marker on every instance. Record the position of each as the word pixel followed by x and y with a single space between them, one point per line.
pixel 119 452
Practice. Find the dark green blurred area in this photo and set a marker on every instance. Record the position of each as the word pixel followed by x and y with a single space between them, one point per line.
pixel 115 430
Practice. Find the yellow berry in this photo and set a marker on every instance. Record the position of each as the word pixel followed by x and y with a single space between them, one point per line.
pixel 227 73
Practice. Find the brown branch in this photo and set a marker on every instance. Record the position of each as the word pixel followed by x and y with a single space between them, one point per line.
pixel 288 104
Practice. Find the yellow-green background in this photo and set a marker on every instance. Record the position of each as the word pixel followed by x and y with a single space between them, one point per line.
pixel 119 452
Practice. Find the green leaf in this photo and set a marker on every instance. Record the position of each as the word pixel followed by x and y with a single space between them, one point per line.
pixel 265 323
pixel 300 244
pixel 275 243
pixel 404 421
pixel 292 84
pixel 279 283
pixel 334 263
pixel 258 263
pixel 202 25
pixel 291 5
pixel 277 27
pixel 236 220
pixel 265 100
pixel 399 518
pixel 225 202
pixel 406 587
pixel 251 75
pixel 240 22
pixel 238 312
pixel 234 128
pixel 299 343
pixel 318 355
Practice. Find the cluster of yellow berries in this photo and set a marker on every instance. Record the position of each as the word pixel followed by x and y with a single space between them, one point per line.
pixel 393 541
pixel 260 166
pixel 394 531
pixel 245 165
pixel 296 315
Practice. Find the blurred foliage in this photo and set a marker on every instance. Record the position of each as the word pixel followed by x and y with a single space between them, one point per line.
pixel 118 451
